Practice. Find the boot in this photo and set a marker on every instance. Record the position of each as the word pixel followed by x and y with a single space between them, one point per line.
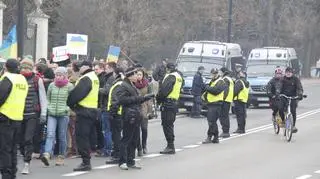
pixel 26 169
pixel 239 131
pixel 215 140
pixel 169 149
pixel 294 130
pixel 140 153
pixel 225 135
pixel 83 167
pixel 207 140
pixel 45 159
pixel 145 151
pixel 60 161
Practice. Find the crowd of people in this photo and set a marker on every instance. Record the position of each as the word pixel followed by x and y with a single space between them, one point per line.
pixel 85 108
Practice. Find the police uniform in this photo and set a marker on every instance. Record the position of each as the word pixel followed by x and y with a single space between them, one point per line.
pixel 241 93
pixel 168 96
pixel 228 99
pixel 14 90
pixel 83 99
pixel 213 96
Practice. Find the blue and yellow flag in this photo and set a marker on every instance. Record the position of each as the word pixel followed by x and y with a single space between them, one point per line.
pixel 113 54
pixel 9 48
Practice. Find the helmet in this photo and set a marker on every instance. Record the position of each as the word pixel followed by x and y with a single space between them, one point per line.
pixel 278 71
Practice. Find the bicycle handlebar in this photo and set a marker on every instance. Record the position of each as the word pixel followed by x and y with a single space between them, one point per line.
pixel 295 97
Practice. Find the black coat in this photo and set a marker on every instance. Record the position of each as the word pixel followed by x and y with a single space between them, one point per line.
pixel 238 86
pixel 215 90
pixel 292 86
pixel 197 84
pixel 274 87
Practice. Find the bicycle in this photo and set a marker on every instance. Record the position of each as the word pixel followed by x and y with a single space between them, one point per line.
pixel 288 121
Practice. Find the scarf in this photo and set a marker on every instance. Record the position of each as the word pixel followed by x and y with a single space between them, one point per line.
pixel 61 83
pixel 141 84
pixel 27 74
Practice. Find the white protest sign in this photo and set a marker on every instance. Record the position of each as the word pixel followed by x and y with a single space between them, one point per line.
pixel 77 44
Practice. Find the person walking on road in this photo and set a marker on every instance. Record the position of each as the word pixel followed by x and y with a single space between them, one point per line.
pixel 241 93
pixel 35 108
pixel 168 96
pixel 83 99
pixel 58 115
pixel 213 96
pixel 226 104
pixel 131 101
pixel 13 94
pixel 197 89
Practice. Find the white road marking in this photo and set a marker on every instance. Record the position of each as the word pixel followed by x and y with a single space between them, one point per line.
pixel 317 172
pixel 304 177
pixel 152 155
pixel 104 167
pixel 179 150
pixel 73 174
pixel 137 159
pixel 190 146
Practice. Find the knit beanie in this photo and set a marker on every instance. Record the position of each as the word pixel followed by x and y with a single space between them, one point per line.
pixel 27 63
pixel 61 70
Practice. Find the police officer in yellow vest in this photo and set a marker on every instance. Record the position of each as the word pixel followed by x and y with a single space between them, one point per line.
pixel 83 99
pixel 227 100
pixel 241 93
pixel 168 96
pixel 13 93
pixel 213 96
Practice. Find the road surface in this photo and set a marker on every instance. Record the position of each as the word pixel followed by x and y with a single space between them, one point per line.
pixel 258 154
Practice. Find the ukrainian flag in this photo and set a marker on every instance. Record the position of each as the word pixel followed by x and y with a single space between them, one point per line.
pixel 113 54
pixel 9 46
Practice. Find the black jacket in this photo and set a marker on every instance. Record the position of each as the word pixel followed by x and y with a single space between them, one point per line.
pixel 114 97
pixel 292 86
pixel 159 73
pixel 5 89
pixel 105 86
pixel 130 100
pixel 197 84
pixel 274 87
pixel 238 86
pixel 215 90
pixel 166 87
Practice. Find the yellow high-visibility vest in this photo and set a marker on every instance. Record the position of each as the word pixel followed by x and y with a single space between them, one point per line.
pixel 230 95
pixel 243 95
pixel 213 98
pixel 119 112
pixel 175 93
pixel 91 100
pixel 14 105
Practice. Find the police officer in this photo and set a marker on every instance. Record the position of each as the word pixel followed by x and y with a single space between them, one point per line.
pixel 115 114
pixel 227 100
pixel 241 93
pixel 13 94
pixel 130 101
pixel 213 96
pixel 83 99
pixel 168 96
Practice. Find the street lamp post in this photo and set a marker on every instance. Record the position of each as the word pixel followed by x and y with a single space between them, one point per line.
pixel 20 28
pixel 230 21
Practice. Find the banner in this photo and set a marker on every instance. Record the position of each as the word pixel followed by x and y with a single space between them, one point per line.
pixel 77 44
pixel 9 48
pixel 60 53
pixel 113 54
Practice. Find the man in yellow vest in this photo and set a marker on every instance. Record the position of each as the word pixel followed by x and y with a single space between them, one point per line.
pixel 83 99
pixel 241 93
pixel 13 94
pixel 168 97
pixel 227 100
pixel 213 96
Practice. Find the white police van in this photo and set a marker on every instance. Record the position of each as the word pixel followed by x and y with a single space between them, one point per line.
pixel 261 65
pixel 210 54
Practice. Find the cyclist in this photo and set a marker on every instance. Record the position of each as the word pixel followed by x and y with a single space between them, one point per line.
pixel 274 89
pixel 291 86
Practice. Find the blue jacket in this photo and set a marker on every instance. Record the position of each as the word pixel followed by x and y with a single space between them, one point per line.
pixel 197 84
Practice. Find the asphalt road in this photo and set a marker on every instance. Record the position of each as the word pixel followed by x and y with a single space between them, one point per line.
pixel 258 154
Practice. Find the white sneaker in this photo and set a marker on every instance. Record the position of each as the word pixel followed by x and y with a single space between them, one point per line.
pixel 25 170
pixel 124 166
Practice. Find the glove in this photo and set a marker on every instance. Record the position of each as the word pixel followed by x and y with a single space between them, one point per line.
pixel 206 87
pixel 300 97
pixel 43 119
pixel 148 97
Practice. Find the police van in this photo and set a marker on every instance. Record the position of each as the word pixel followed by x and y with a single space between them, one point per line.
pixel 210 54
pixel 261 65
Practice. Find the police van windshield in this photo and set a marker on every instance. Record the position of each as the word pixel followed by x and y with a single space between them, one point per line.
pixel 265 70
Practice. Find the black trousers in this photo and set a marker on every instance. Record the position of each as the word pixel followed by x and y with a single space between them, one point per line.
pixel 28 131
pixel 214 111
pixel 143 134
pixel 37 137
pixel 224 118
pixel 116 128
pixel 9 137
pixel 129 141
pixel 293 108
pixel 168 117
pixel 84 126
pixel 241 113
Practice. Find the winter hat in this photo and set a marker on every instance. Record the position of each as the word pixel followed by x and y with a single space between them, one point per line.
pixel 130 71
pixel 27 63
pixel 171 66
pixel 12 65
pixel 61 70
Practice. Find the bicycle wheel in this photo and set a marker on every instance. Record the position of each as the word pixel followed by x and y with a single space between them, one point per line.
pixel 276 126
pixel 288 127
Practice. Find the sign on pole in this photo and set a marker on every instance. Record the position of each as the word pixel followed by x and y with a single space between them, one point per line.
pixel 60 53
pixel 77 44
pixel 113 54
